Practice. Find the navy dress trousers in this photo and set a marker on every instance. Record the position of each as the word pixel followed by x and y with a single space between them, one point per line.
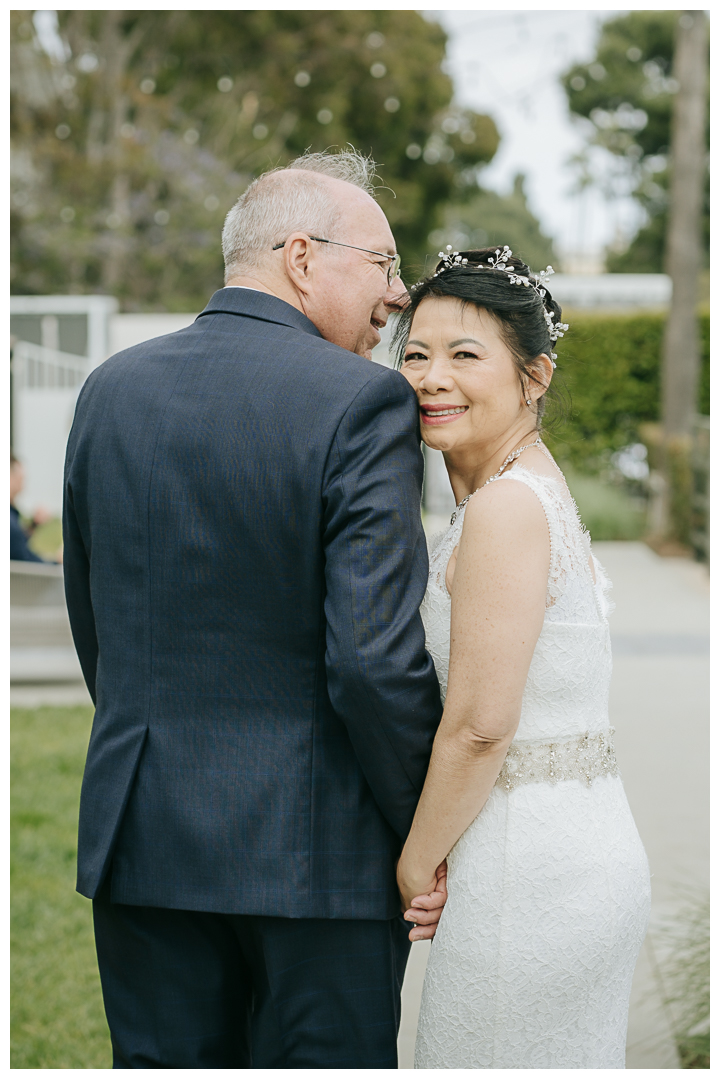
pixel 244 564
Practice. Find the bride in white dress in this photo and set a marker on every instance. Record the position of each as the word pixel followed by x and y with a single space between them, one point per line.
pixel 547 880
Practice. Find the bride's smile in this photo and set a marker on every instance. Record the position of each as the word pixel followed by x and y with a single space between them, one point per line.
pixel 441 414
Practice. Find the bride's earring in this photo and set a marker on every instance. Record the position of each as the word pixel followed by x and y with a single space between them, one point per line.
pixel 528 401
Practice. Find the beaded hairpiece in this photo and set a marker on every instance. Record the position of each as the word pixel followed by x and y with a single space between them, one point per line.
pixel 499 261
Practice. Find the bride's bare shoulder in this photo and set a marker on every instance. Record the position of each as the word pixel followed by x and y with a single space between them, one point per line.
pixel 504 539
pixel 502 510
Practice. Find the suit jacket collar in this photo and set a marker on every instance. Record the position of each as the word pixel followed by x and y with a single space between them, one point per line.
pixel 258 305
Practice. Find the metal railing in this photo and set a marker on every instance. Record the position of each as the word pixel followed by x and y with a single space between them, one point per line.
pixel 35 367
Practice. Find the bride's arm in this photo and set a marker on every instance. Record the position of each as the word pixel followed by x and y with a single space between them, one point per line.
pixel 498 605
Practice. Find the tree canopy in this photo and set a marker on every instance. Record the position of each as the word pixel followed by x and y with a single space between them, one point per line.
pixel 133 140
pixel 626 92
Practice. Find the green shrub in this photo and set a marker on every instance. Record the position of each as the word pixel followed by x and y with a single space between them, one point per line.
pixel 607 511
pixel 684 967
pixel 610 367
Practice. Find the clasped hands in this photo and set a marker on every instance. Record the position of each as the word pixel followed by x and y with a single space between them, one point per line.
pixel 423 899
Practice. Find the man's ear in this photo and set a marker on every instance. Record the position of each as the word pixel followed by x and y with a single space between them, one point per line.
pixel 299 260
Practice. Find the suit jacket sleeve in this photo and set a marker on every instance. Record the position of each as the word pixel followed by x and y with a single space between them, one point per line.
pixel 76 571
pixel 381 680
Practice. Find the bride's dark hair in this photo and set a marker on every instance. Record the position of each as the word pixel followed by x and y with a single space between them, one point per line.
pixel 518 310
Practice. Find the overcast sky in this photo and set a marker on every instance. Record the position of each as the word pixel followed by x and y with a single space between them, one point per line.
pixel 507 64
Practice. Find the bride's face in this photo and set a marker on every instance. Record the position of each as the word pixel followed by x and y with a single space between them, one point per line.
pixel 467 384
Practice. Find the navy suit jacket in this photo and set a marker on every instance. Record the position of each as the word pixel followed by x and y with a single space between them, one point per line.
pixel 244 563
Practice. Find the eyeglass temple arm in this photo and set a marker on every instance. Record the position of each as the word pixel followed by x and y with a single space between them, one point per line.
pixel 275 248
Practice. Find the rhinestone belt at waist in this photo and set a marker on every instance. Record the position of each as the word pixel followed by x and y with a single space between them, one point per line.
pixel 583 758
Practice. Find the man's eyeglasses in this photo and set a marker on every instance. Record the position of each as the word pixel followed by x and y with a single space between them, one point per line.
pixel 392 261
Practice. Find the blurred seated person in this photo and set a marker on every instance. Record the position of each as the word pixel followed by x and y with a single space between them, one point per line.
pixel 19 536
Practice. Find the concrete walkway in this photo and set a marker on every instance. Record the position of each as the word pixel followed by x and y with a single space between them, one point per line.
pixel 35 695
pixel 659 706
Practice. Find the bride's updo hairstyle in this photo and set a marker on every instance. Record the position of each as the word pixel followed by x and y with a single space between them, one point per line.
pixel 518 309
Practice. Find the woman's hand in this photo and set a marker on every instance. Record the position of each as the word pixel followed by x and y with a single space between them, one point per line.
pixel 422 900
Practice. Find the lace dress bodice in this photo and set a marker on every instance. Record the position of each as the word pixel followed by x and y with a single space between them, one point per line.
pixel 568 683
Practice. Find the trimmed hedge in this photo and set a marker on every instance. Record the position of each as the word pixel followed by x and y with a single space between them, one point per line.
pixel 609 365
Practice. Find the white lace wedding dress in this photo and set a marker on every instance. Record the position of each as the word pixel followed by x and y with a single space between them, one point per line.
pixel 548 889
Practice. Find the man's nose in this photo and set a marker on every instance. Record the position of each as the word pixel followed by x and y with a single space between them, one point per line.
pixel 396 296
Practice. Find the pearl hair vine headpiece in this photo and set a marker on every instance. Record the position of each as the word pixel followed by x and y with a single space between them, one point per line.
pixel 452 259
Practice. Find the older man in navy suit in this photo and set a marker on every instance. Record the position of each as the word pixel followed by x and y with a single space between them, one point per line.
pixel 244 563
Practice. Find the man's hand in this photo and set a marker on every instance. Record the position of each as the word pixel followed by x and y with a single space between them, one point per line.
pixel 426 907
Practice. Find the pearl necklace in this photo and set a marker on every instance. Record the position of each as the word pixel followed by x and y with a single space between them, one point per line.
pixel 498 474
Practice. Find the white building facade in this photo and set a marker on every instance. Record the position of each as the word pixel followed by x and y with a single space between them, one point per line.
pixel 56 341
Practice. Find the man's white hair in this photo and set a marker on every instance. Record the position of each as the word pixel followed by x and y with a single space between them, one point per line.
pixel 276 205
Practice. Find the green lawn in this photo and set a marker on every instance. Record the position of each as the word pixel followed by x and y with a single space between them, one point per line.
pixel 57 1014
pixel 46 540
